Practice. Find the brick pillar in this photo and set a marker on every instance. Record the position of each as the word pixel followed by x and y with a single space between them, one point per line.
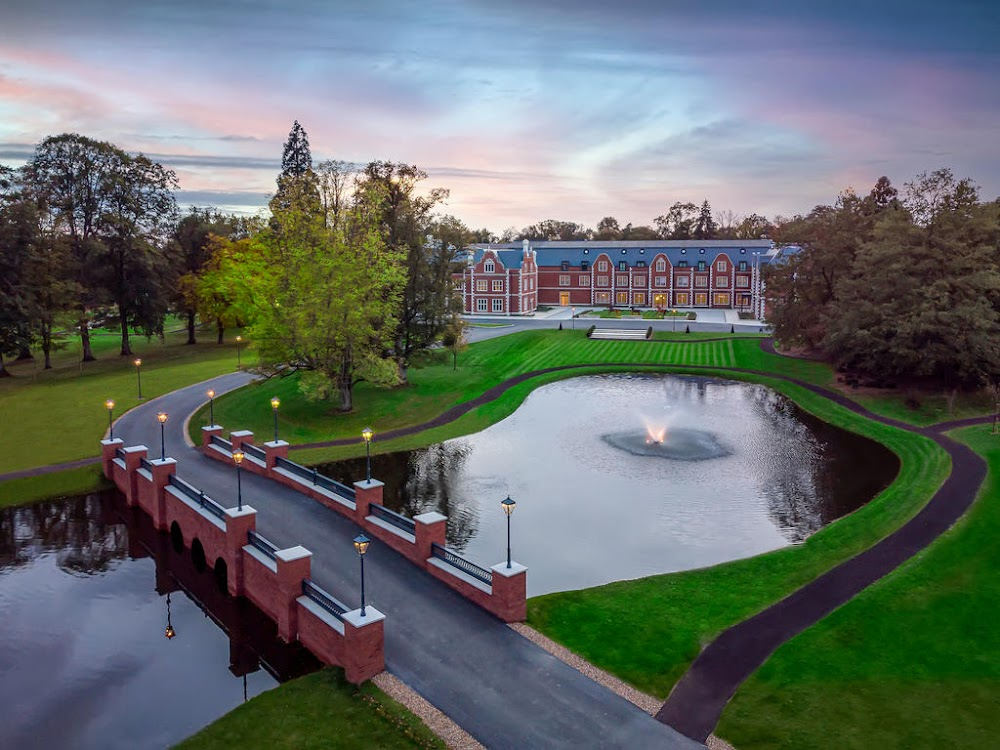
pixel 510 592
pixel 239 437
pixel 238 523
pixel 366 493
pixel 133 456
pixel 274 449
pixel 293 565
pixel 430 530
pixel 161 476
pixel 364 644
pixel 108 448
pixel 207 433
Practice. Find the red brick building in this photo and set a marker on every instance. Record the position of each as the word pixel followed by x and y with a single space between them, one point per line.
pixel 514 278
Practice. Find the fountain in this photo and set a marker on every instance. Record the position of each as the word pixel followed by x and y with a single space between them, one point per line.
pixel 663 441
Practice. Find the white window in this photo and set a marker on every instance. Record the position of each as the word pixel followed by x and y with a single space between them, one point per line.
pixel 498 305
pixel 564 280
pixel 720 266
pixel 683 281
pixel 602 281
pixel 661 264
pixel 660 281
pixel 488 266
pixel 742 282
pixel 583 280
pixel 497 285
pixel 602 298
pixel 621 298
pixel 622 281
pixel 640 281
pixel 721 282
pixel 480 285
pixel 481 305
pixel 602 265
pixel 701 282
pixel 639 298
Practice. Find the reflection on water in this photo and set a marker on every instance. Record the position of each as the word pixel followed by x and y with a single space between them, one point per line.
pixel 590 512
pixel 84 662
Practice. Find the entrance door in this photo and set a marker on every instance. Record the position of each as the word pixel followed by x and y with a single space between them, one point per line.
pixel 564 298
pixel 660 301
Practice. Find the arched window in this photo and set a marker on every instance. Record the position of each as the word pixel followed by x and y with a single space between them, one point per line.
pixel 661 264
pixel 488 266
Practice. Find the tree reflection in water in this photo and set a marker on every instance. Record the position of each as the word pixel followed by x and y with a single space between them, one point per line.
pixel 83 532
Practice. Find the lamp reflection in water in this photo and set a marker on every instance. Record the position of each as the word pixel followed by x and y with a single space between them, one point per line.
pixel 169 631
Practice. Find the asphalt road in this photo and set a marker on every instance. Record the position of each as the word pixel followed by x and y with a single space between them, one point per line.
pixel 498 686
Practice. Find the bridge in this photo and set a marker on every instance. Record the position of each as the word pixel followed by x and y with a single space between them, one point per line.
pixel 498 686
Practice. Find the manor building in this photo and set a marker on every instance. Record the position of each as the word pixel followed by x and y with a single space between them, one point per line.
pixel 515 278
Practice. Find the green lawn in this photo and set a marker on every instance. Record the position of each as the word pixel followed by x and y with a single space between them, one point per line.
pixel 913 661
pixel 59 414
pixel 318 711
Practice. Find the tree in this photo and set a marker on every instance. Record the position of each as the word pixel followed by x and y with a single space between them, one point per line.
pixel 335 179
pixel 223 290
pixel 726 222
pixel 191 239
pixel 137 271
pixel 704 228
pixel 296 158
pixel 429 302
pixel 678 223
pixel 753 227
pixel 608 229
pixel 17 236
pixel 639 233
pixel 325 299
pixel 69 176
pixel 454 340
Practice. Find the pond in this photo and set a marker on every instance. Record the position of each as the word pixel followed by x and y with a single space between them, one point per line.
pixel 622 476
pixel 87 590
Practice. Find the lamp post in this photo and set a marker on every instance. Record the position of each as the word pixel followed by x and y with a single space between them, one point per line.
pixel 572 317
pixel 138 375
pixel 367 434
pixel 361 543
pixel 673 321
pixel 508 509
pixel 162 418
pixel 211 406
pixel 169 631
pixel 239 340
pixel 238 459
pixel 275 403
pixel 110 406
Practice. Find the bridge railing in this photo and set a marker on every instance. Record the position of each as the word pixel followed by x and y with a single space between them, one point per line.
pixel 311 475
pixel 393 518
pixel 146 464
pixel 222 442
pixel 334 606
pixel 120 453
pixel 258 542
pixel 204 501
pixel 252 450
pixel 466 566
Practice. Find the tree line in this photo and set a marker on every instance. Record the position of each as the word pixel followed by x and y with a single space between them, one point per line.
pixel 894 286
pixel 347 280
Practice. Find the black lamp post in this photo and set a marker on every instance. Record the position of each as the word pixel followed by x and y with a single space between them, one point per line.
pixel 572 317
pixel 239 340
pixel 275 403
pixel 673 321
pixel 367 434
pixel 238 459
pixel 138 375
pixel 110 405
pixel 361 543
pixel 169 631
pixel 508 509
pixel 211 406
pixel 162 418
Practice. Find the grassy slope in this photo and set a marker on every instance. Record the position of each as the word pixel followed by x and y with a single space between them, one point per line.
pixel 913 661
pixel 60 413
pixel 320 710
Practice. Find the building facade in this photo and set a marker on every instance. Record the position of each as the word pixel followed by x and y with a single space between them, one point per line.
pixel 514 278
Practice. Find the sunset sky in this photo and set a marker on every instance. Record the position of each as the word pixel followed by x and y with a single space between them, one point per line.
pixel 525 110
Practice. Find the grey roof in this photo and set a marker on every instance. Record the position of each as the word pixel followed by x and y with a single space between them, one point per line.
pixel 553 253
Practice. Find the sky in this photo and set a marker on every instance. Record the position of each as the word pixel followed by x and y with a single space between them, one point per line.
pixel 524 109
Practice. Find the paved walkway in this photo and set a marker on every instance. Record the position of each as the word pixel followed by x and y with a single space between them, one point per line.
pixel 501 688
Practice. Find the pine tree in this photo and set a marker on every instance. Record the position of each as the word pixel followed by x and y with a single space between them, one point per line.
pixel 705 227
pixel 296 159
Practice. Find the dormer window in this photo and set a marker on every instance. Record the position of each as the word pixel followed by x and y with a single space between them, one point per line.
pixel 488 267
pixel 743 265
pixel 565 265
pixel 682 264
pixel 622 265
pixel 701 265
pixel 584 265
pixel 640 264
